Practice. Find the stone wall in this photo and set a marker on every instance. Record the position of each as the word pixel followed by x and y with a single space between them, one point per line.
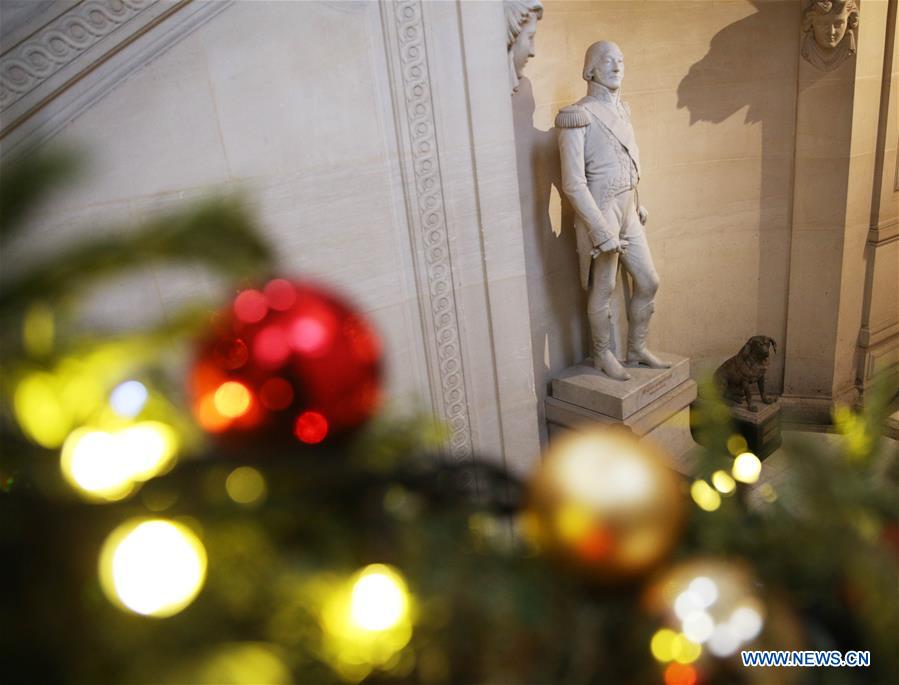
pixel 879 339
pixel 374 165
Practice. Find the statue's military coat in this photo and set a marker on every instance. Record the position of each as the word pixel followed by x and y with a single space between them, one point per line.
pixel 600 159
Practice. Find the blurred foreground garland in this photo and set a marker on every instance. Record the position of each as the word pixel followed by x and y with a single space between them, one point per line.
pixel 134 549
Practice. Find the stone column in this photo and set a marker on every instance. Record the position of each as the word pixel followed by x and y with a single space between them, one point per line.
pixel 879 337
pixel 835 159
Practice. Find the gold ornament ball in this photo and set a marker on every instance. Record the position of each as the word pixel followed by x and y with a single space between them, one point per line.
pixel 605 503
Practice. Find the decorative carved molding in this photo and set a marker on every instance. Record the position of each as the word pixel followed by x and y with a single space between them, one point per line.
pixel 877 359
pixel 884 233
pixel 869 338
pixel 65 65
pixel 29 64
pixel 428 215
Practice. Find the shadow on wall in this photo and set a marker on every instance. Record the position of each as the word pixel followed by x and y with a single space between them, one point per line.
pixel 557 302
pixel 712 91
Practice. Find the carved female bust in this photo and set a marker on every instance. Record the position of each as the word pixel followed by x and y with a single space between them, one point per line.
pixel 829 27
pixel 521 26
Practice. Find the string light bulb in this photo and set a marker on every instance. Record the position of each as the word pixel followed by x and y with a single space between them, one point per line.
pixel 152 567
pixel 367 621
pixel 102 465
pixel 379 598
pixel 746 468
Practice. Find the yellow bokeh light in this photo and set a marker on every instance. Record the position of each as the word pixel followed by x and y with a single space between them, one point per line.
pixel 106 466
pixel 684 650
pixel 747 468
pixel 81 394
pixel 245 485
pixel 92 464
pixel 379 598
pixel 662 645
pixel 705 496
pixel 152 567
pixel 149 447
pixel 736 444
pixel 232 399
pixel 41 414
pixel 857 439
pixel 723 482
pixel 768 493
pixel 236 663
pixel 367 621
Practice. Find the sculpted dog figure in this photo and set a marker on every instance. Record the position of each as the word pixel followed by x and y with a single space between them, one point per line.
pixel 735 376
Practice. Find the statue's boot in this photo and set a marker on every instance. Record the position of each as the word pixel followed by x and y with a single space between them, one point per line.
pixel 637 352
pixel 603 358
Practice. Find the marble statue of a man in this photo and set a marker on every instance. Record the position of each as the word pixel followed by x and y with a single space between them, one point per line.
pixel 600 171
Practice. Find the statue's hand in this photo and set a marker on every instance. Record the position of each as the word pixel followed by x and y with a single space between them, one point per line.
pixel 623 245
pixel 610 245
pixel 643 215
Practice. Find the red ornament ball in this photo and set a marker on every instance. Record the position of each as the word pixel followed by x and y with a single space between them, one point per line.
pixel 290 360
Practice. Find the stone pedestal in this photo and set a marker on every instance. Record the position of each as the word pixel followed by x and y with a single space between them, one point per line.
pixel 761 428
pixel 654 404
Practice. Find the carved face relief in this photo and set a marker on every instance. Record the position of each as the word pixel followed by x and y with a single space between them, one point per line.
pixel 609 68
pixel 523 47
pixel 830 28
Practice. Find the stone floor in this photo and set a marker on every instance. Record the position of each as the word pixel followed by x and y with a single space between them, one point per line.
pixel 777 469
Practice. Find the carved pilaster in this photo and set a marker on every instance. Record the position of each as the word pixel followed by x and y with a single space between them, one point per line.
pixel 405 34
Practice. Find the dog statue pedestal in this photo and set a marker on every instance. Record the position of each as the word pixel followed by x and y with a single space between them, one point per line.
pixel 654 403
pixel 761 428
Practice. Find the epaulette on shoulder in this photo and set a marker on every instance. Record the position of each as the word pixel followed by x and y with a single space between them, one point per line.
pixel 573 116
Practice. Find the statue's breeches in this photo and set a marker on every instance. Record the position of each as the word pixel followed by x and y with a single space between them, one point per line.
pixel 598 275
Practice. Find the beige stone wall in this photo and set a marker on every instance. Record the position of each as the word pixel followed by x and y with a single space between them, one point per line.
pixel 889 192
pixel 247 105
pixel 374 164
pixel 712 87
